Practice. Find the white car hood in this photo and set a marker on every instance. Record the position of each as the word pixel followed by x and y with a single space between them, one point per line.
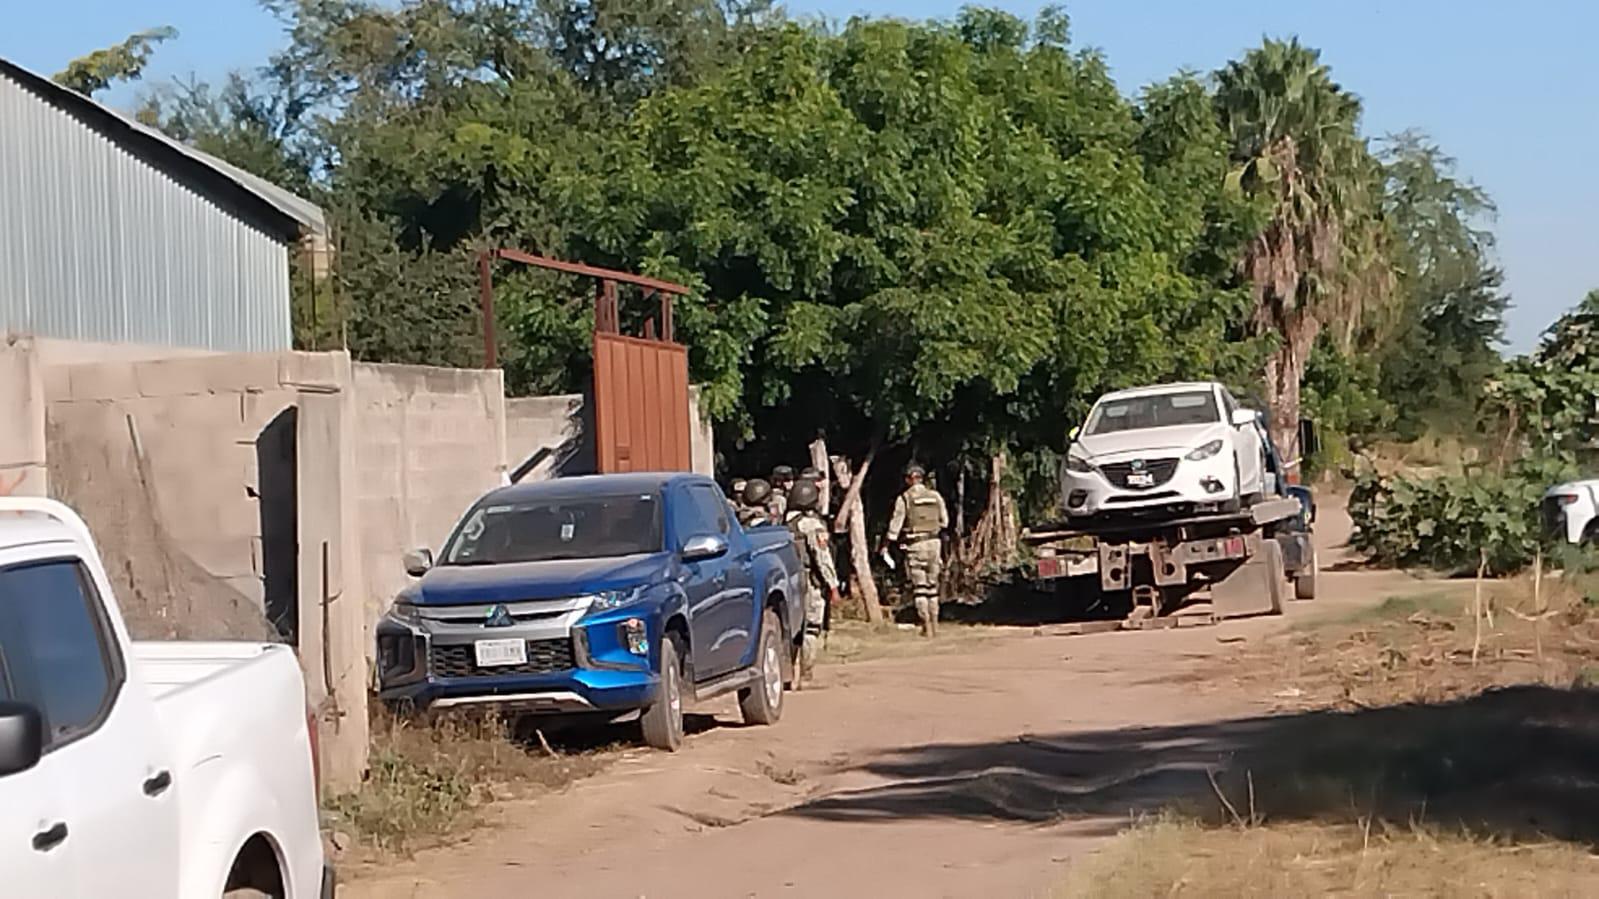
pixel 1175 440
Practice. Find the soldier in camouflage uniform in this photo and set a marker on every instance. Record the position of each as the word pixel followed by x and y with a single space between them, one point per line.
pixel 919 519
pixel 753 503
pixel 821 578
pixel 782 483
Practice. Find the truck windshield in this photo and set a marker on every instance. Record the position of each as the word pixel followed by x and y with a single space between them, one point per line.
pixel 1161 410
pixel 591 527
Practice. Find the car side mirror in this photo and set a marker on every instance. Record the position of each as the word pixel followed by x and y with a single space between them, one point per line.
pixel 1072 434
pixel 1244 417
pixel 705 546
pixel 418 561
pixel 21 737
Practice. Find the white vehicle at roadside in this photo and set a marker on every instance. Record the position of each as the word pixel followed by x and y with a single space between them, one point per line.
pixel 1180 447
pixel 1571 511
pixel 146 770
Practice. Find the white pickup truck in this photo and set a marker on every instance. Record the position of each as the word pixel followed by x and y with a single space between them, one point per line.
pixel 146 770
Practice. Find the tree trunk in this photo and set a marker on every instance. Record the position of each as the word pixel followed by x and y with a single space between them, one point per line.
pixel 824 486
pixel 993 541
pixel 852 517
pixel 1285 370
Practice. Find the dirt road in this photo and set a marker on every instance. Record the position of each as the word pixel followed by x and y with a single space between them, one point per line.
pixel 981 772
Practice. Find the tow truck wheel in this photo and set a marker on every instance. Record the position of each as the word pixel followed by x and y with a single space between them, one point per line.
pixel 1305 580
pixel 662 722
pixel 762 703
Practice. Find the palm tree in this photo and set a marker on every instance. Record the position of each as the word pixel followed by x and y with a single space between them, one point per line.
pixel 1319 258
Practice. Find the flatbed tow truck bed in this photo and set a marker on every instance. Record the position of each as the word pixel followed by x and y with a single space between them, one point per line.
pixel 1249 562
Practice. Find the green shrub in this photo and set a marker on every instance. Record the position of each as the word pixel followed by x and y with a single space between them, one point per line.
pixel 1448 522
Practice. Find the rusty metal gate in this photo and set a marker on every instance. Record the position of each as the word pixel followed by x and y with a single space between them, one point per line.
pixel 640 404
pixel 641 411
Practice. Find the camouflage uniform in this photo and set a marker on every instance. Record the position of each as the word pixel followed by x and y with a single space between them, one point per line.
pixel 919 517
pixel 821 581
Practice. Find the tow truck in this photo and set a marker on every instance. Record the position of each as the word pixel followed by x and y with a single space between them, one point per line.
pixel 1145 571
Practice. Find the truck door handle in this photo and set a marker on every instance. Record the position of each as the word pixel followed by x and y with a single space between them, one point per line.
pixel 158 783
pixel 46 840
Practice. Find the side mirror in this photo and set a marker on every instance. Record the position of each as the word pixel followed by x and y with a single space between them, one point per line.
pixel 1072 434
pixel 21 737
pixel 1244 417
pixel 707 546
pixel 418 561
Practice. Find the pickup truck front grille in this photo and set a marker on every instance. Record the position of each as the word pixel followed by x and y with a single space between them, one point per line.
pixel 1159 470
pixel 543 656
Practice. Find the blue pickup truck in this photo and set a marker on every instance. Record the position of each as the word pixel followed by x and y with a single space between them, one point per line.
pixel 609 594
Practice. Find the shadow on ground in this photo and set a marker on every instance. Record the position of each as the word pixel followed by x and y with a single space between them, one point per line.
pixel 1519 763
pixel 1021 605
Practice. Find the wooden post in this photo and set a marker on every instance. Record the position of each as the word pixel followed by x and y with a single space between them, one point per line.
pixel 852 517
pixel 824 486
pixel 485 291
pixel 1537 608
pixel 1476 602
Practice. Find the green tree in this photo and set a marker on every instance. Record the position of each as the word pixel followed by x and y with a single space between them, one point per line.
pixel 119 62
pixel 1320 258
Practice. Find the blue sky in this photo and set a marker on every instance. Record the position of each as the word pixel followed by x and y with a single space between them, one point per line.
pixel 1509 89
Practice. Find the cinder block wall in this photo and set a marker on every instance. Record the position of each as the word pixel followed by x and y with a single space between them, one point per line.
pixel 429 442
pixel 22 440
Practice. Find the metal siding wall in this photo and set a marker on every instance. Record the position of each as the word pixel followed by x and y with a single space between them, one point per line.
pixel 96 244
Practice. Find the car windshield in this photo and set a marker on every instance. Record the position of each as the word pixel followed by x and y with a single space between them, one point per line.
pixel 1161 410
pixel 590 527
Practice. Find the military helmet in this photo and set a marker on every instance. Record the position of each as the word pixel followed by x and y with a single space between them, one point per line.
pixel 809 473
pixel 803 496
pixel 915 470
pixel 783 473
pixel 757 492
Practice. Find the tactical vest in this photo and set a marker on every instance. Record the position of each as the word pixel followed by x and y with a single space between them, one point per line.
pixel 801 544
pixel 921 512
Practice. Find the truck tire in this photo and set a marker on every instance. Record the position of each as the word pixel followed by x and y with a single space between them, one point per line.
pixel 1276 574
pixel 1305 580
pixel 662 722
pixel 763 703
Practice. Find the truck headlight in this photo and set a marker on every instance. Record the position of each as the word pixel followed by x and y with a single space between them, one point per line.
pixel 1205 451
pixel 615 599
pixel 405 613
pixel 1078 464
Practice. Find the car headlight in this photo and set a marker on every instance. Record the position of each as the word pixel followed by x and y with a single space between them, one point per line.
pixel 615 599
pixel 1078 464
pixel 405 613
pixel 1204 452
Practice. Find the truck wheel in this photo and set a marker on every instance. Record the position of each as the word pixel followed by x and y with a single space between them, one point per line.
pixel 662 722
pixel 1276 575
pixel 1305 581
pixel 763 703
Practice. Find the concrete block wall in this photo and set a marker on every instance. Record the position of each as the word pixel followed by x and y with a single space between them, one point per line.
pixel 194 422
pixel 429 442
pixel 22 428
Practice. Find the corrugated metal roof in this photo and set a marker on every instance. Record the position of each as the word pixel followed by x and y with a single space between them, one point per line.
pixel 226 184
pixel 109 235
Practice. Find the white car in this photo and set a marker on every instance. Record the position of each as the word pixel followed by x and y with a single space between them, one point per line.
pixel 1571 511
pixel 1183 447
pixel 173 770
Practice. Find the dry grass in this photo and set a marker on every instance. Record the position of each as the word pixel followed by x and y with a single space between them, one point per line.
pixel 857 641
pixel 1169 857
pixel 430 777
pixel 1393 764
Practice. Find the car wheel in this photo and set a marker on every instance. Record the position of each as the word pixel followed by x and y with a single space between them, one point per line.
pixel 763 703
pixel 662 722
pixel 1305 580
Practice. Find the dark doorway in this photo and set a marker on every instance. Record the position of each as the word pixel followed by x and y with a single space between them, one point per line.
pixel 275 459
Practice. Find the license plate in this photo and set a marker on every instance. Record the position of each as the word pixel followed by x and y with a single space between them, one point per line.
pixel 1140 479
pixel 491 653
